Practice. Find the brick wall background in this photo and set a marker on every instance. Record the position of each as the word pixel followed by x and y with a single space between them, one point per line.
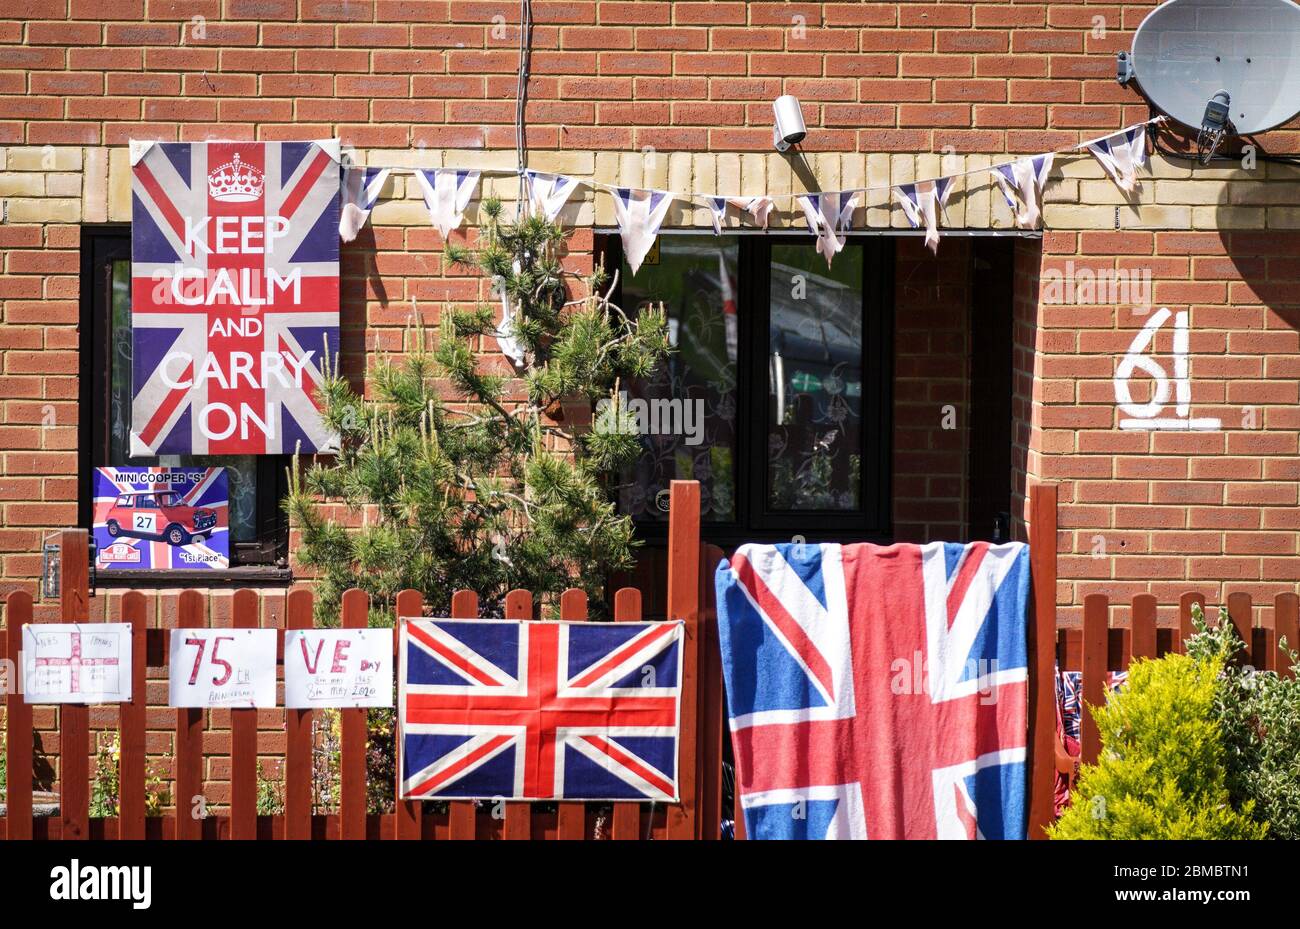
pixel 678 95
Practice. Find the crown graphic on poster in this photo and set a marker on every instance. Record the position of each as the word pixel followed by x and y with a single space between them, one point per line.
pixel 235 182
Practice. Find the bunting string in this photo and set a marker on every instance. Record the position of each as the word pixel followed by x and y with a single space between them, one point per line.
pixel 640 211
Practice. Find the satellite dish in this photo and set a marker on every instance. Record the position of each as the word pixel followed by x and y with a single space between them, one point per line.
pixel 1223 67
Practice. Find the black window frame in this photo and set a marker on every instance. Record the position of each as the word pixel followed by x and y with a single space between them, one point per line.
pixel 262 561
pixel 755 520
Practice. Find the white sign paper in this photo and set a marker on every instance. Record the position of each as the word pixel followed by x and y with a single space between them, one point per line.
pixel 338 667
pixel 77 663
pixel 222 667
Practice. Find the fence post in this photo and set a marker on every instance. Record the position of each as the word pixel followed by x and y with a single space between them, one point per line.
pixel 571 816
pixel 406 813
pixel 243 735
pixel 18 723
pixel 1041 647
pixel 519 815
pixel 1096 650
pixel 132 722
pixel 188 756
pixel 1286 610
pixel 712 707
pixel 627 816
pixel 684 604
pixel 463 817
pixel 352 723
pixel 1142 627
pixel 298 736
pixel 74 719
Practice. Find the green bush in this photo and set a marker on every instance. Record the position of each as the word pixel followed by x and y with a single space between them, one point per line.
pixel 1161 774
pixel 1259 714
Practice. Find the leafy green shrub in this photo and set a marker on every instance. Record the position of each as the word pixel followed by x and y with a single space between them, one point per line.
pixel 1161 774
pixel 1259 714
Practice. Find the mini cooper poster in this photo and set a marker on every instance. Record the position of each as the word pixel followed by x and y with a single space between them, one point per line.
pixel 168 518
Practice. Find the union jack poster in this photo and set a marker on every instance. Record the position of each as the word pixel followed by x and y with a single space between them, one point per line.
pixel 528 710
pixel 234 296
pixel 877 692
pixel 162 518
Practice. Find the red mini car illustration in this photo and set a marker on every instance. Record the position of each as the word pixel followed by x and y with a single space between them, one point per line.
pixel 160 515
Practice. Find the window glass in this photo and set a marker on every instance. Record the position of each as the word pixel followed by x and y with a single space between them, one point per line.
pixel 814 410
pixel 241 470
pixel 689 405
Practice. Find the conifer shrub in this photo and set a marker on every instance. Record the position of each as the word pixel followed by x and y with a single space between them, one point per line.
pixel 1162 771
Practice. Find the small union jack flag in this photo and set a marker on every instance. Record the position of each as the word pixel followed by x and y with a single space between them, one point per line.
pixel 539 710
pixel 234 296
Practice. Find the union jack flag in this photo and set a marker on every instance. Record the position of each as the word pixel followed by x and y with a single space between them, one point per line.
pixel 234 297
pixel 877 692
pixel 539 710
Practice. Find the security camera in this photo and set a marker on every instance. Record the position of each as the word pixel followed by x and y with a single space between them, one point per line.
pixel 787 128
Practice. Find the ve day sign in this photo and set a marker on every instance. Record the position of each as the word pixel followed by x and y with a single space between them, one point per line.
pixel 234 295
pixel 338 668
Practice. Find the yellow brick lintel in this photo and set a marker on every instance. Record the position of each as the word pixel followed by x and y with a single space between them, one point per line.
pixel 54 183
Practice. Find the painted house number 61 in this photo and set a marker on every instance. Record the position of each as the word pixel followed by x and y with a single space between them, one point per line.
pixel 1147 415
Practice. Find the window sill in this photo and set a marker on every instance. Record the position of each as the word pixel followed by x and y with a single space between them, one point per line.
pixel 247 576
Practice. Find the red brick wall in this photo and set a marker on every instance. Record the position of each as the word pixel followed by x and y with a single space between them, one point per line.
pixel 908 77
pixel 931 389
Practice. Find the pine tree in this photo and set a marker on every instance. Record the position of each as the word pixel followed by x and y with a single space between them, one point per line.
pixel 458 486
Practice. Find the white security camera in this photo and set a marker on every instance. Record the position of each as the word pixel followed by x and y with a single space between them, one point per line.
pixel 788 128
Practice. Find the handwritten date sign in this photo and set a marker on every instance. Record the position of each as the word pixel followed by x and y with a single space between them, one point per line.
pixel 77 663
pixel 338 668
pixel 222 667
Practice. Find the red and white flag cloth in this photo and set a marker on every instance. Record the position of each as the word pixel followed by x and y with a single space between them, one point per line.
pixel 234 295
pixel 357 197
pixel 548 193
pixel 1022 185
pixel 829 215
pixel 922 203
pixel 447 192
pixel 1121 154
pixel 640 213
pixel 757 207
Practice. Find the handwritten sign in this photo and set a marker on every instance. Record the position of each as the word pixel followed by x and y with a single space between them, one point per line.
pixel 222 667
pixel 338 667
pixel 77 663
pixel 1147 416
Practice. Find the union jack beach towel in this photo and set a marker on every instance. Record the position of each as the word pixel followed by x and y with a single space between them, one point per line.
pixel 529 710
pixel 877 692
pixel 234 296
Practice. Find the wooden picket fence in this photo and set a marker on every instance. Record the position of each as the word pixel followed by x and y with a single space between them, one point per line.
pixel 698 815
pixel 1093 650
pixel 1097 649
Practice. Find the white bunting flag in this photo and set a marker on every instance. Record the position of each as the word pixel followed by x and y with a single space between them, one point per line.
pixel 922 202
pixel 640 213
pixel 547 193
pixel 757 207
pixel 447 193
pixel 505 334
pixel 1121 154
pixel 1022 185
pixel 829 214
pixel 357 196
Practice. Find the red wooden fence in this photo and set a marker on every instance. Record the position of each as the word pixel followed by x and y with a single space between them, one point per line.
pixel 1093 650
pixel 698 815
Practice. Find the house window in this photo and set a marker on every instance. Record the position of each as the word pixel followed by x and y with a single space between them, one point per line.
pixel 779 382
pixel 258 528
